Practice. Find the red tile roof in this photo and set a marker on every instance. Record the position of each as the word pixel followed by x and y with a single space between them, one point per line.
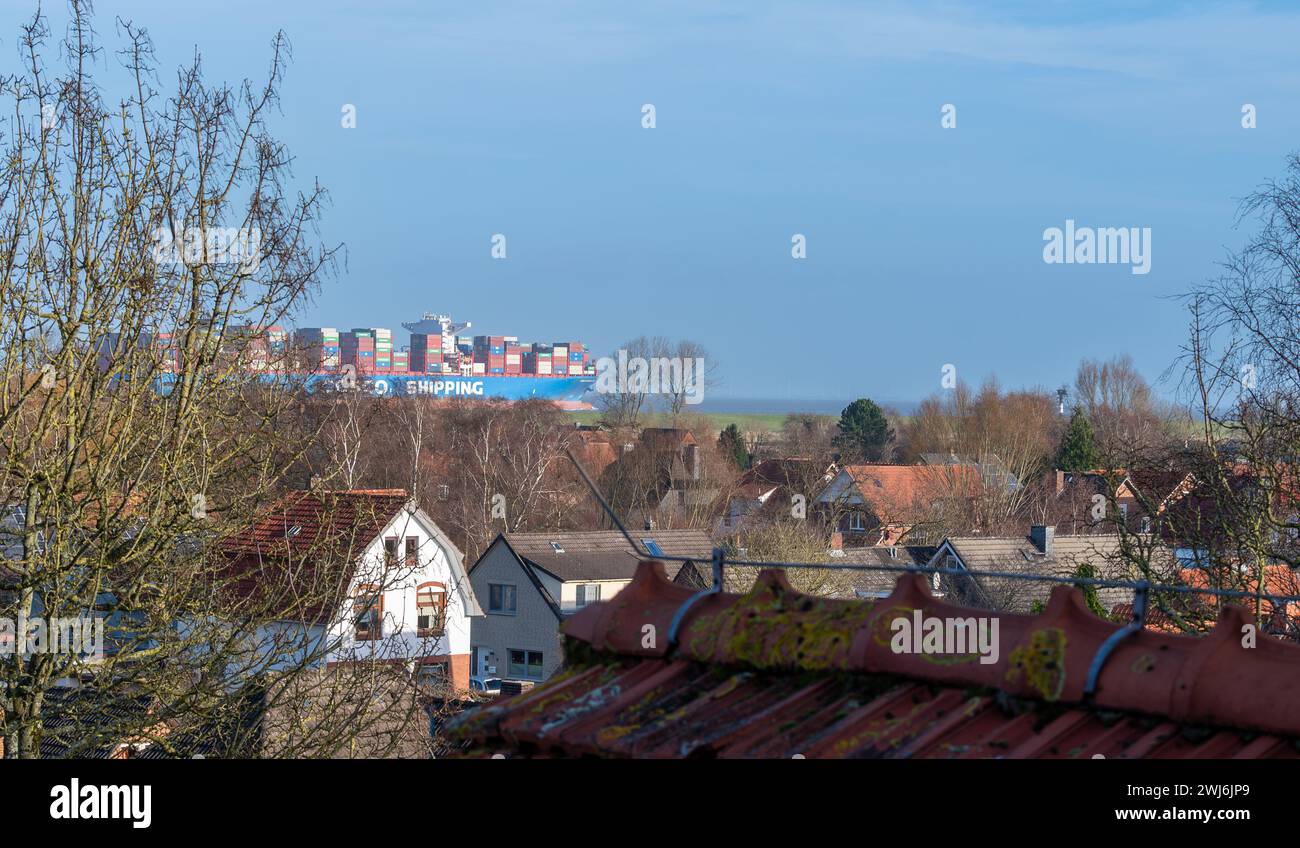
pixel 774 673
pixel 297 558
pixel 350 518
pixel 891 489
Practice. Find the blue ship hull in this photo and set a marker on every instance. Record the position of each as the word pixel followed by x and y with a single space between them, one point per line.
pixel 568 389
pixel 557 389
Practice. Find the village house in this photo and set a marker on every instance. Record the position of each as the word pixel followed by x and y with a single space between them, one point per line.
pixel 1041 553
pixel 530 582
pixel 362 575
pixel 659 480
pixel 880 564
pixel 769 490
pixel 880 504
pixel 1094 501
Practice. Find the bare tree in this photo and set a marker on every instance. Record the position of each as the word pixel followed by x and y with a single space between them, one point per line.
pixel 696 382
pixel 1118 402
pixel 621 405
pixel 142 242
pixel 507 470
pixel 1008 438
pixel 1229 501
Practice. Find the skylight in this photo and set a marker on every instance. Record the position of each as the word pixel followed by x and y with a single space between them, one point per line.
pixel 557 547
pixel 653 547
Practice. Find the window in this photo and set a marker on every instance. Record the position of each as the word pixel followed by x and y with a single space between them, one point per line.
pixel 430 609
pixel 653 547
pixel 444 491
pixel 390 550
pixel 431 674
pixel 501 598
pixel 856 521
pixel 368 612
pixel 412 551
pixel 525 663
pixel 588 593
pixel 557 547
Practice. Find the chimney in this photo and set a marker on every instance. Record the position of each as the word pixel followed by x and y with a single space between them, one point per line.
pixel 1041 535
pixel 691 459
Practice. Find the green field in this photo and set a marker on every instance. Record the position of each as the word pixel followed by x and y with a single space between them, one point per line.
pixel 715 422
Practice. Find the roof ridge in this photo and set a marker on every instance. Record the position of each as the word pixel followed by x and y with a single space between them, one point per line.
pixel 1212 680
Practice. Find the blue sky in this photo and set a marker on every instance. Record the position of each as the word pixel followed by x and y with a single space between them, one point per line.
pixel 924 244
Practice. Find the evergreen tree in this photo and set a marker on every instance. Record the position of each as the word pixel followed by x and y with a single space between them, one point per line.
pixel 731 444
pixel 864 431
pixel 1078 450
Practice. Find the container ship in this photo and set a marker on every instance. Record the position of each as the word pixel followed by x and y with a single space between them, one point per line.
pixel 440 361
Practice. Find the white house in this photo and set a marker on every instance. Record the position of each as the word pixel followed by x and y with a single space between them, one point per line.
pixel 358 576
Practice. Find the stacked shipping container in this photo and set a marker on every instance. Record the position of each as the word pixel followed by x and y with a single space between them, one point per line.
pixel 370 350
pixel 490 351
pixel 357 348
pixel 426 354
pixel 317 348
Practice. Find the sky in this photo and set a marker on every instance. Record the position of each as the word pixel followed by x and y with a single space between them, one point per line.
pixel 924 243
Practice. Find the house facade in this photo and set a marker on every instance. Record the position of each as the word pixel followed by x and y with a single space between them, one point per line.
pixel 528 583
pixel 389 585
pixel 879 504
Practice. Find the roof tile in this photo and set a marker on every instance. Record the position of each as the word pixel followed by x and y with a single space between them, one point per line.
pixel 777 673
